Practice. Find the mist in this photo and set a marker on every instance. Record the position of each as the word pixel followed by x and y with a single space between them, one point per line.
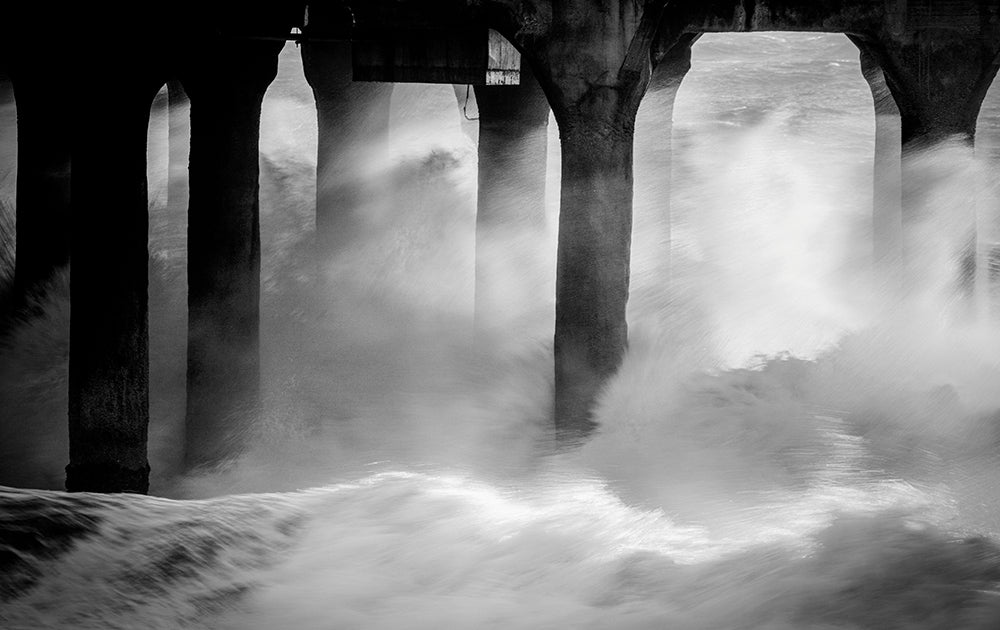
pixel 788 443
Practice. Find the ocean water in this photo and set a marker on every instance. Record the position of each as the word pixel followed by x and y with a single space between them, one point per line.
pixel 785 446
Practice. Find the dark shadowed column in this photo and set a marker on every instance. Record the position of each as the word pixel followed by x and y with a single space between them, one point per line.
pixel 594 72
pixel 592 262
pixel 353 126
pixel 887 196
pixel 109 332
pixel 226 85
pixel 513 140
pixel 43 167
pixel 938 78
pixel 179 145
pixel 654 157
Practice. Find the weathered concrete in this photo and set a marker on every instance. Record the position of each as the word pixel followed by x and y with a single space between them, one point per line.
pixel 353 122
pixel 887 212
pixel 592 270
pixel 43 168
pixel 593 59
pixel 225 81
pixel 109 331
pixel 513 141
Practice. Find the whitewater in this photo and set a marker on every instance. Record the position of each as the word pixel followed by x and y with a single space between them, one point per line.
pixel 785 447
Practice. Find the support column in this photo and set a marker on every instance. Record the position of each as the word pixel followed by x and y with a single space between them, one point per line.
pixel 353 125
pixel 887 196
pixel 109 331
pixel 592 262
pixel 178 145
pixel 513 141
pixel 594 73
pixel 654 158
pixel 43 169
pixel 938 79
pixel 226 84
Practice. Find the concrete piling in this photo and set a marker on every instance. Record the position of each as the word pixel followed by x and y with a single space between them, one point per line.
pixel 513 142
pixel 226 85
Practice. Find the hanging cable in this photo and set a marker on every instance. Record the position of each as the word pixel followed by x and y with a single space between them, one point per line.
pixel 465 108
